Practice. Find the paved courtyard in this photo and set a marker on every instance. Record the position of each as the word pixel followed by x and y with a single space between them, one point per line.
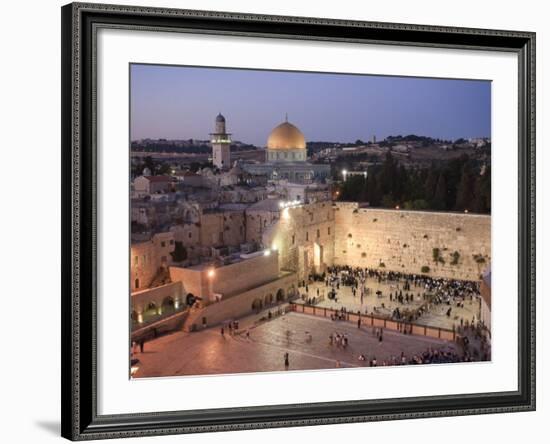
pixel 436 317
pixel 304 337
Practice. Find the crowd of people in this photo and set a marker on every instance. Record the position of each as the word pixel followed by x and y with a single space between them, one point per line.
pixel 411 295
pixel 429 356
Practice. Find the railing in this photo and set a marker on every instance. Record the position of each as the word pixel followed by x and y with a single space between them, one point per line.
pixel 377 321
pixel 159 325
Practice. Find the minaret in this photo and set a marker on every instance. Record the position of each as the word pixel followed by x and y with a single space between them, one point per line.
pixel 221 141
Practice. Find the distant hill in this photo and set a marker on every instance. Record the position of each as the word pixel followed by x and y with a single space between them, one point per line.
pixel 189 146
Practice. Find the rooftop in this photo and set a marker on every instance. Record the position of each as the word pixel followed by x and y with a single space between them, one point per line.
pixel 266 205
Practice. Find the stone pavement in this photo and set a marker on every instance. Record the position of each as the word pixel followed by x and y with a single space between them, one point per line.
pixel 208 352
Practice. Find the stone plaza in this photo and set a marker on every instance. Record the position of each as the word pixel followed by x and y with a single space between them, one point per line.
pixel 305 338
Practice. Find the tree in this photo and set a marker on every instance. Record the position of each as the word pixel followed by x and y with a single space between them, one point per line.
pixel 431 183
pixel 465 191
pixel 482 193
pixel 388 201
pixel 180 253
pixel 440 196
pixel 354 188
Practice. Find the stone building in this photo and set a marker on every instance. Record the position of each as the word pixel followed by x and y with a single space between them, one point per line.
pixel 303 235
pixel 146 185
pixel 221 143
pixel 246 283
pixel 287 158
pixel 485 290
pixel 149 261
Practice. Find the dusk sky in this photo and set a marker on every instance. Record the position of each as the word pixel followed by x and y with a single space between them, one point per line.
pixel 175 102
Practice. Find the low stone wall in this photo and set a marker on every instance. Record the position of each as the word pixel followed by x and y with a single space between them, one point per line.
pixel 242 304
pixel 405 241
pixel 228 279
pixel 141 299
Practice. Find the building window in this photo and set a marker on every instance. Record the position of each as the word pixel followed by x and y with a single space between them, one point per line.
pixel 328 231
pixel 190 235
pixel 171 241
pixel 163 244
pixel 136 284
pixel 307 236
pixel 136 260
pixel 318 234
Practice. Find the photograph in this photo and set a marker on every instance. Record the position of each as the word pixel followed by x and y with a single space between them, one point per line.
pixel 274 222
pixel 291 221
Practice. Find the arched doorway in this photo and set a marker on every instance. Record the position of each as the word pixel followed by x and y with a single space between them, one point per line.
pixel 257 304
pixel 280 295
pixel 268 299
pixel 168 304
pixel 168 301
pixel 291 292
pixel 151 310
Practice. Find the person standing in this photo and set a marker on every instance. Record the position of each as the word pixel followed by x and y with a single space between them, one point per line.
pixel 287 363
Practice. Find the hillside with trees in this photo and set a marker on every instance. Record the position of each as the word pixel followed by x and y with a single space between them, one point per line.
pixel 457 185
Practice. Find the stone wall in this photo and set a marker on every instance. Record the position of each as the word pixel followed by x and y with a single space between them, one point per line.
pixel 222 228
pixel 157 295
pixel 250 301
pixel 304 238
pixel 405 241
pixel 228 280
pixel 146 258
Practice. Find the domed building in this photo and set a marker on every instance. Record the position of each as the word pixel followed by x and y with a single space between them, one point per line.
pixel 286 158
pixel 286 143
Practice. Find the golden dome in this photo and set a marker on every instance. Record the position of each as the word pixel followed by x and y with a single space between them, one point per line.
pixel 286 137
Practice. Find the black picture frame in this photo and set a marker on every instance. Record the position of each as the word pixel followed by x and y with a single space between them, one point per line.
pixel 79 386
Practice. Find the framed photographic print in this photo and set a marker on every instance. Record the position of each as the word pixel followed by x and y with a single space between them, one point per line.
pixel 279 221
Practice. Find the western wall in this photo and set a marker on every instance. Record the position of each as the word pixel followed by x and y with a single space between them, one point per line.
pixel 454 245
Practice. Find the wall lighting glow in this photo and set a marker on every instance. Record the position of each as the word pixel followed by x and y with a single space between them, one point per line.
pixel 289 203
pixel 286 214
